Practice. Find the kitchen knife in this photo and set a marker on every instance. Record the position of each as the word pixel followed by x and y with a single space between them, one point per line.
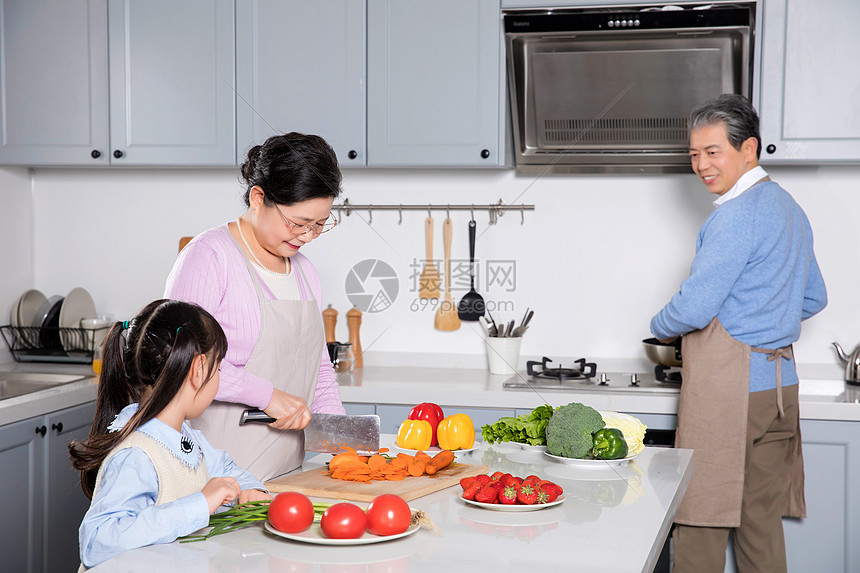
pixel 331 433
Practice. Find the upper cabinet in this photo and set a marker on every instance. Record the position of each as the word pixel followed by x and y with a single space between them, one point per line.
pixel 434 83
pixel 161 70
pixel 300 66
pixel 54 82
pixel 810 88
pixel 171 82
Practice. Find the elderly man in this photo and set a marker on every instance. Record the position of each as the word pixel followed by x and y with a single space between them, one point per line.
pixel 752 281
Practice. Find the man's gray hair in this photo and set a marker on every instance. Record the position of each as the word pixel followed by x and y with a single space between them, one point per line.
pixel 736 112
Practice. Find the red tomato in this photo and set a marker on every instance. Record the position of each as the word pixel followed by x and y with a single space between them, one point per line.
pixel 388 514
pixel 291 512
pixel 343 521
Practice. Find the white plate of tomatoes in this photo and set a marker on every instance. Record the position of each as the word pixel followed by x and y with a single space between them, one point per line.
pixel 315 535
pixel 513 506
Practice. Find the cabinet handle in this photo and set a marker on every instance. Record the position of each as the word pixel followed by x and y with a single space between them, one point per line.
pixel 117 153
pixel 352 154
pixel 771 148
pixel 58 426
pixel 41 430
pixel 95 153
pixel 485 153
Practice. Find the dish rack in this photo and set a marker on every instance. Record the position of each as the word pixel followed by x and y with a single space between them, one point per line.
pixel 51 343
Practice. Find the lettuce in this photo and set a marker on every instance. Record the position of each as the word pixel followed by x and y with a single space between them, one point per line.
pixel 525 429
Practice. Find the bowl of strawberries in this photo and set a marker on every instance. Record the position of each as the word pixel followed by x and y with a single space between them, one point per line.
pixel 505 492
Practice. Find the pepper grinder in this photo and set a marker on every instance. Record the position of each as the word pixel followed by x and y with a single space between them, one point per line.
pixel 353 319
pixel 329 321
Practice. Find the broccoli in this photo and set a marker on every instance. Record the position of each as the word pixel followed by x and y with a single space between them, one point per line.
pixel 569 432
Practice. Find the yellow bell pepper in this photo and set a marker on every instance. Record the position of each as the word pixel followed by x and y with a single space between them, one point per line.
pixel 456 432
pixel 415 435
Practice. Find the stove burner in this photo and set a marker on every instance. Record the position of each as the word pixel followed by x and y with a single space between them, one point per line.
pixel 586 370
pixel 667 374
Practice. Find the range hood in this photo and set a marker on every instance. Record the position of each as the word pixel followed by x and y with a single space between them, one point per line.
pixel 610 90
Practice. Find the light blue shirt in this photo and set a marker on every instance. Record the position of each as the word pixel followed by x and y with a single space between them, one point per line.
pixel 123 514
pixel 754 270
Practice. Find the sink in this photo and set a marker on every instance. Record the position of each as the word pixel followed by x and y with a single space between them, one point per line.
pixel 20 383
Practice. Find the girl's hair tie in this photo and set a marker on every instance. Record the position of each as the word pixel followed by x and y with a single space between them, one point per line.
pixel 125 325
pixel 178 329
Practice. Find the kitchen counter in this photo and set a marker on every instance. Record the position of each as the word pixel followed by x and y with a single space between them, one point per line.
pixel 50 399
pixel 612 520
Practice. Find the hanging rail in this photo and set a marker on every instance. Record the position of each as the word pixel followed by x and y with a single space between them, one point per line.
pixel 495 210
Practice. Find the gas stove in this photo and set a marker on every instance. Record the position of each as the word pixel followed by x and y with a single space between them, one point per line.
pixel 584 376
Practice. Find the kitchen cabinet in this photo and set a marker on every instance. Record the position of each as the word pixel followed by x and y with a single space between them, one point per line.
pixel 42 501
pixel 434 83
pixel 810 109
pixel 300 66
pixel 163 72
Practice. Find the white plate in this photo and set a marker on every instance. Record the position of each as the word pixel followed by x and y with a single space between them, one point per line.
pixel 530 448
pixel 314 535
pixel 77 305
pixel 433 450
pixel 24 314
pixel 591 464
pixel 512 507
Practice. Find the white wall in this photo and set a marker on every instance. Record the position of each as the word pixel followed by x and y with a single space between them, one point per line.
pixel 16 252
pixel 595 260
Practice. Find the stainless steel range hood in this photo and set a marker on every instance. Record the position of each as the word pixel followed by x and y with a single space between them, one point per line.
pixel 609 90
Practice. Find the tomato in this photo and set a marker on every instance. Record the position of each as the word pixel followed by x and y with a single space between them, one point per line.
pixel 388 514
pixel 343 521
pixel 291 512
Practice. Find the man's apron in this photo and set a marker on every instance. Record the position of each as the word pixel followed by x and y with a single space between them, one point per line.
pixel 287 354
pixel 712 420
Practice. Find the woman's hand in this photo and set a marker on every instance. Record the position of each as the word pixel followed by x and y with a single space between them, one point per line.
pixel 247 495
pixel 290 412
pixel 219 491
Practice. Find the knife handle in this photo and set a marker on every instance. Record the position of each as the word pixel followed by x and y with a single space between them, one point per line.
pixel 255 416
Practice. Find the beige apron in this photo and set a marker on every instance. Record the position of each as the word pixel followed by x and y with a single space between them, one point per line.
pixel 712 420
pixel 287 354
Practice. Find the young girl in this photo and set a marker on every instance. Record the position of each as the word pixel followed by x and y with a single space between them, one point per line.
pixel 151 477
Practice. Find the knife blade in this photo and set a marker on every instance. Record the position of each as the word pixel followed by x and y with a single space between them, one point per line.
pixel 331 433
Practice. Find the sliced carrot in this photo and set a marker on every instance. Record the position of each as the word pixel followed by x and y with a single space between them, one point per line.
pixel 421 454
pixel 383 450
pixel 416 467
pixel 376 461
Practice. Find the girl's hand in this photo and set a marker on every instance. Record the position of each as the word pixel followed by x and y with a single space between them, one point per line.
pixel 219 491
pixel 247 495
pixel 290 412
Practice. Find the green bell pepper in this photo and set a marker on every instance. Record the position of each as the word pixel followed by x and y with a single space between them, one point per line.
pixel 609 444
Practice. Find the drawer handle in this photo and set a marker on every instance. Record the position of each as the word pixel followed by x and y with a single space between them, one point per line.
pixel 58 426
pixel 41 430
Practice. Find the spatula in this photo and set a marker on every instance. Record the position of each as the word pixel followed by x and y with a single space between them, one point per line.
pixel 428 282
pixel 446 315
pixel 471 306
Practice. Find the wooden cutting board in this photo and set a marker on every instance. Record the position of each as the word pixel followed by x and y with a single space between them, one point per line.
pixel 318 483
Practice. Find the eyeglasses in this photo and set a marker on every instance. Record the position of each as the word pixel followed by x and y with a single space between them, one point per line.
pixel 314 228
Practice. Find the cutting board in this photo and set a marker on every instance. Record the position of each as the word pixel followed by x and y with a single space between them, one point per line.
pixel 318 483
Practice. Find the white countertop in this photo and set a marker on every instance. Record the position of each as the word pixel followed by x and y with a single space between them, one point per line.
pixel 611 521
pixel 50 399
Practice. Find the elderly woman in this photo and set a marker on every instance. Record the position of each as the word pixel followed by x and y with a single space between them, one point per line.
pixel 250 276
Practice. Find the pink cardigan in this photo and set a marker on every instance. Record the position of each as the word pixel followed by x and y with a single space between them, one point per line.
pixel 211 272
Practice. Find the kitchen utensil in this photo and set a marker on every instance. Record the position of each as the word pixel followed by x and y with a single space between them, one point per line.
pixel 353 320
pixel 485 325
pixel 472 304
pixel 494 331
pixel 447 318
pixel 429 280
pixel 329 323
pixel 331 433
pixel 509 330
pixel 319 483
pixel 521 329
pixel 663 353
pixel 852 363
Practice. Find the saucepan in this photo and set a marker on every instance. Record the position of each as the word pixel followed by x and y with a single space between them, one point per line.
pixel 663 353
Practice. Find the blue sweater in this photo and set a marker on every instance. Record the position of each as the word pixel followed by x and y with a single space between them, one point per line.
pixel 756 272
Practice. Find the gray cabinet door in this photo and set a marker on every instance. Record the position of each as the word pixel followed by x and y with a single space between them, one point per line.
pixel 53 82
pixel 65 502
pixel 810 88
pixel 433 83
pixel 300 66
pixel 171 82
pixel 22 467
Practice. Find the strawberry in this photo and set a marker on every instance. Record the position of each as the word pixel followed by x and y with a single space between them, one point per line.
pixel 517 480
pixel 526 494
pixel 508 495
pixel 497 475
pixel 497 484
pixel 506 479
pixel 464 483
pixel 551 490
pixel 482 478
pixel 542 496
pixel 469 492
pixel 487 495
pixel 533 478
pixel 557 487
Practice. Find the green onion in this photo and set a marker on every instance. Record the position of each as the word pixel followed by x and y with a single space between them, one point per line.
pixel 242 516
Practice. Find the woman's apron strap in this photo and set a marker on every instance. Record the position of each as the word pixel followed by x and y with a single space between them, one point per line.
pixel 777 354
